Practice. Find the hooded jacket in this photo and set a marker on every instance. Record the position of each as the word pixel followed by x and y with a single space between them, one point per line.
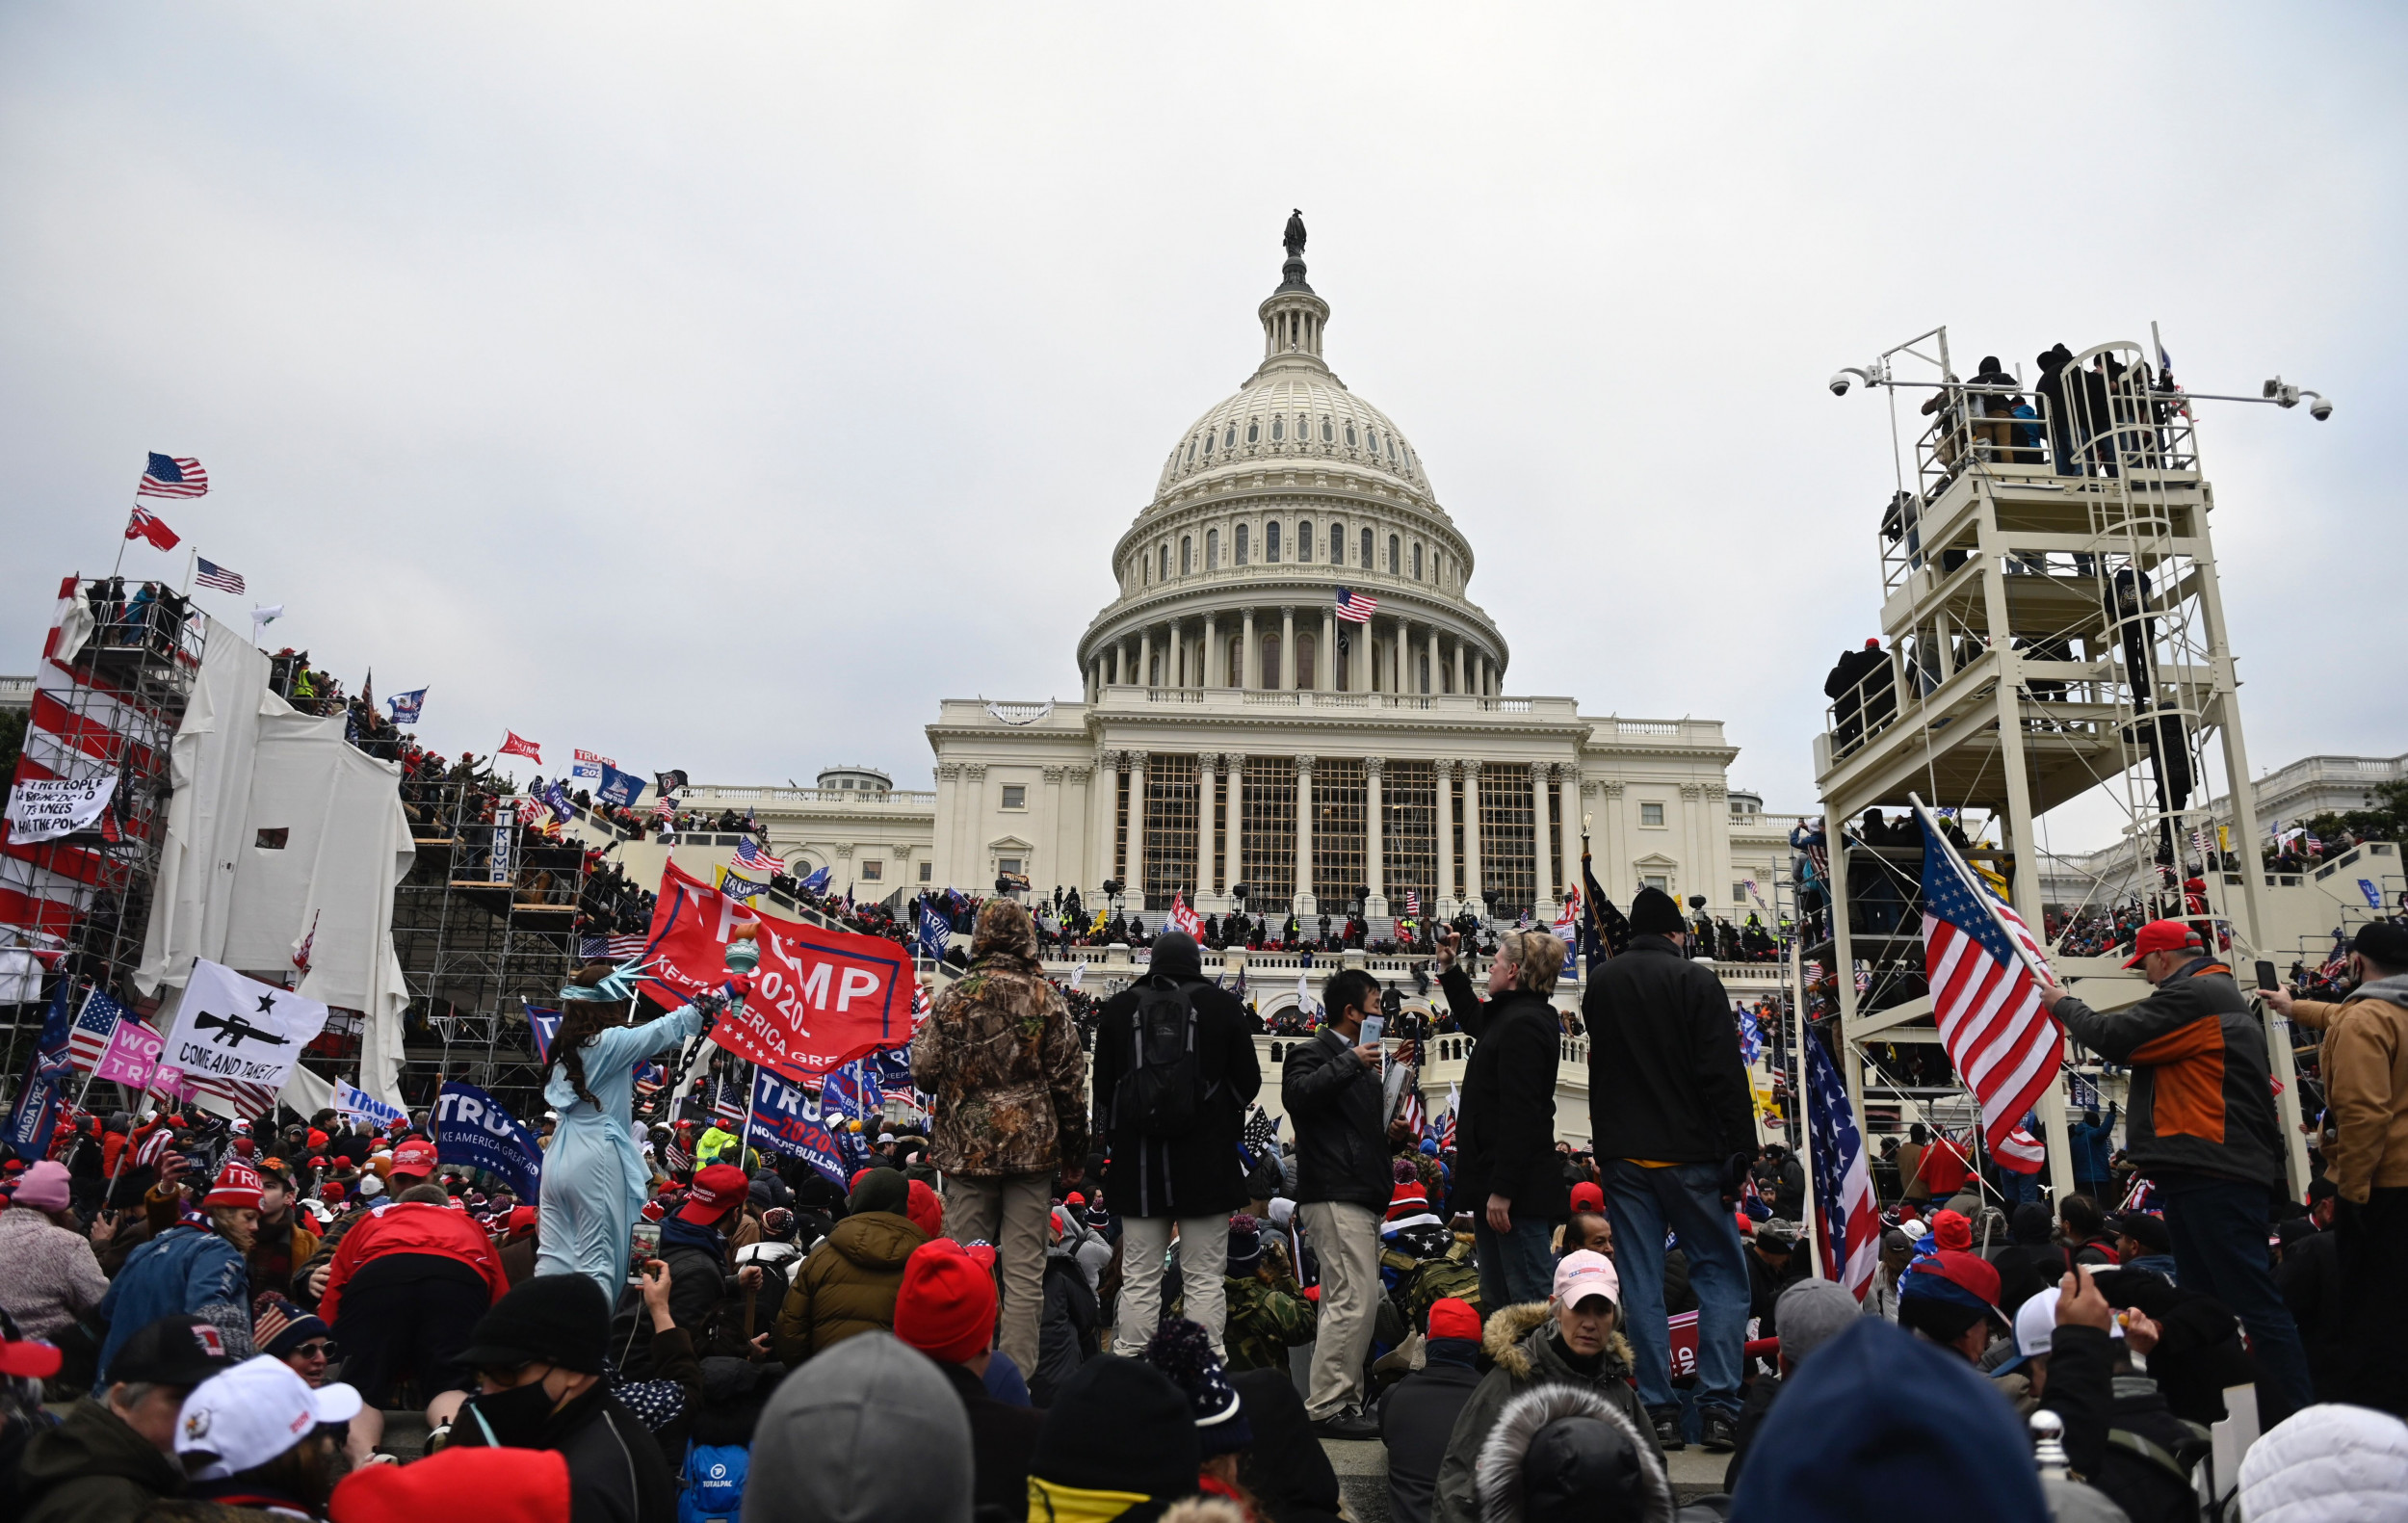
pixel 2202 1092
pixel 848 1286
pixel 1417 1418
pixel 91 1468
pixel 1002 1058
pixel 1502 1478
pixel 1521 1341
pixel 2365 1063
pixel 1200 1173
pixel 1666 1083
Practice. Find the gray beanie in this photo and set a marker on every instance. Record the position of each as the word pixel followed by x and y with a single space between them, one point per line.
pixel 870 1432
pixel 1810 1314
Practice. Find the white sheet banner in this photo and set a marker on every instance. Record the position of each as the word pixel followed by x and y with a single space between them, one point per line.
pixel 239 1030
pixel 57 806
pixel 349 1100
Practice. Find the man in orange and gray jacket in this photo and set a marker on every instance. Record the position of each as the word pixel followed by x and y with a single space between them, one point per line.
pixel 2365 1064
pixel 2201 1124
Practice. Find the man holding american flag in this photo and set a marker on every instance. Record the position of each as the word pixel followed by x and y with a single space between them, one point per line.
pixel 2201 1125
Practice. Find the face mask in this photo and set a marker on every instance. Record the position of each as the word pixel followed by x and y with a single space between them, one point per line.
pixel 511 1419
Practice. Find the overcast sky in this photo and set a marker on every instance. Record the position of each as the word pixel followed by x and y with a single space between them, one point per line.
pixel 718 386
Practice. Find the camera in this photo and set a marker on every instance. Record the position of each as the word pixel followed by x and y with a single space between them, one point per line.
pixel 1838 383
pixel 2322 408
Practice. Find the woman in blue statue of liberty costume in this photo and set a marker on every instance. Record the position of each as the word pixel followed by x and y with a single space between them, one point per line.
pixel 594 1180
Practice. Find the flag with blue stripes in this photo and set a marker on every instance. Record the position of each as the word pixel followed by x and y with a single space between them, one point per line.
pixel 935 933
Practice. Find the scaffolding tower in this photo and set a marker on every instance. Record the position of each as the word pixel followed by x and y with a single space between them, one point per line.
pixel 111 708
pixel 2052 628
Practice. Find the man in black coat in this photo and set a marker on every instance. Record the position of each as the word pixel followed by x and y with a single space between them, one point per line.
pixel 1331 1091
pixel 1673 1122
pixel 1417 1418
pixel 1507 1172
pixel 1193 1176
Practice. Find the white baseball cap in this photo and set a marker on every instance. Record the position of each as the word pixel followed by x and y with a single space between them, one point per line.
pixel 1584 1273
pixel 254 1412
pixel 2036 1327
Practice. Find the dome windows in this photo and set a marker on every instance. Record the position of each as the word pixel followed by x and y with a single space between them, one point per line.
pixel 1192 452
pixel 1186 549
pixel 1337 544
pixel 1367 549
pixel 1417 561
pixel 1253 431
pixel 1212 549
pixel 1328 433
pixel 1349 436
pixel 1305 539
pixel 1243 531
pixel 1374 437
pixel 1393 553
pixel 1278 427
pixel 1165 554
pixel 1229 440
pixel 1270 542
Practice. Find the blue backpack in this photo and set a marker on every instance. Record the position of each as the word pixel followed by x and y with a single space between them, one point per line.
pixel 711 1487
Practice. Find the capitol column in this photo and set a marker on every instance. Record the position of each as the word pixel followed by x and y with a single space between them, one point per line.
pixel 1211 654
pixel 1304 901
pixel 1233 763
pixel 1146 657
pixel 1135 876
pixel 1102 850
pixel 1445 906
pixel 1205 766
pixel 1474 886
pixel 1576 793
pixel 1048 834
pixel 1375 864
pixel 1326 652
pixel 1459 666
pixel 971 823
pixel 1243 676
pixel 1435 667
pixel 1287 648
pixel 1543 868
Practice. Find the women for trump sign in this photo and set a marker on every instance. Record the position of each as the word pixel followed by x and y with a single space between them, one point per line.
pixel 819 999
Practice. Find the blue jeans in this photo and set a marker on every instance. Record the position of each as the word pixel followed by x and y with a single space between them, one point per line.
pixel 2218 1227
pixel 1687 1198
pixel 1517 1266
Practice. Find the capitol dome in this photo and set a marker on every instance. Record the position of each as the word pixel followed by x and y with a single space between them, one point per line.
pixel 1276 501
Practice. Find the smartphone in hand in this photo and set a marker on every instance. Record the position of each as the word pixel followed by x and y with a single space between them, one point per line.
pixel 1372 1027
pixel 2266 976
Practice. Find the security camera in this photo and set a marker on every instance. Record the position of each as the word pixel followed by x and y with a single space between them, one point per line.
pixel 1838 383
pixel 2322 408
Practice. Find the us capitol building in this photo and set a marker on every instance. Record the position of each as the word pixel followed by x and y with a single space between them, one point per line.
pixel 1231 729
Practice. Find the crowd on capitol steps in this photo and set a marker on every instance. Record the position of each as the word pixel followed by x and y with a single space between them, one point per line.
pixel 1087 1275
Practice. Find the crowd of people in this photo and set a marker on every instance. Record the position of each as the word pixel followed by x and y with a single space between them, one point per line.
pixel 1101 1283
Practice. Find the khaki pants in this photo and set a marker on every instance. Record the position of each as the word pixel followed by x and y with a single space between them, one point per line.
pixel 1010 1212
pixel 1203 1265
pixel 1345 1238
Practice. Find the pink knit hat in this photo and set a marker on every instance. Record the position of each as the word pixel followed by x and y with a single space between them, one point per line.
pixel 43 1187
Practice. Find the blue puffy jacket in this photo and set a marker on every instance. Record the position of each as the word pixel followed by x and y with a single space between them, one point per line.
pixel 2094 1147
pixel 185 1270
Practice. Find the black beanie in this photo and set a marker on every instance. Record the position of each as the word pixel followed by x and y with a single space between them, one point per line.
pixel 1119 1425
pixel 2032 1226
pixel 1582 1468
pixel 1654 913
pixel 2383 943
pixel 880 1189
pixel 551 1319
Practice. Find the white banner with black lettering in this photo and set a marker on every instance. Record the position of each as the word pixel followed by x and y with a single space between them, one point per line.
pixel 57 806
pixel 239 1031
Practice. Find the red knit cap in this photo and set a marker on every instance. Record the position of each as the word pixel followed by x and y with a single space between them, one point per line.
pixel 1450 1318
pixel 236 1185
pixel 1952 1231
pixel 509 1485
pixel 946 1308
pixel 1410 1200
pixel 926 1208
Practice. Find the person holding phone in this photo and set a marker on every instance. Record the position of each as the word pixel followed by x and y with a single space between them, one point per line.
pixel 1331 1091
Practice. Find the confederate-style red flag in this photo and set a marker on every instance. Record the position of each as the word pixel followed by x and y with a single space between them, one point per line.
pixel 145 525
pixel 513 745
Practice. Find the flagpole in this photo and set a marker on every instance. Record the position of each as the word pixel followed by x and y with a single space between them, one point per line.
pixel 1806 1145
pixel 192 553
pixel 1989 900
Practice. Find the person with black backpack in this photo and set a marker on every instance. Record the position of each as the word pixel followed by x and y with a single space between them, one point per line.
pixel 1174 1073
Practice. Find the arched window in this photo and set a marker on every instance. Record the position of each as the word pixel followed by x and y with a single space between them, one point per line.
pixel 1337 544
pixel 1306 672
pixel 1392 552
pixel 1212 549
pixel 1165 561
pixel 1349 436
pixel 1185 546
pixel 1423 660
pixel 1145 570
pixel 1305 539
pixel 1237 661
pixel 1417 561
pixel 1208 444
pixel 1242 539
pixel 1190 452
pixel 1253 431
pixel 1367 549
pixel 1374 436
pixel 1269 640
pixel 1280 428
pixel 1270 542
pixel 1328 432
pixel 1229 440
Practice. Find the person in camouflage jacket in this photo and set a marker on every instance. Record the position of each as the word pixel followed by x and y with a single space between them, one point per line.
pixel 1001 1055
pixel 1268 1314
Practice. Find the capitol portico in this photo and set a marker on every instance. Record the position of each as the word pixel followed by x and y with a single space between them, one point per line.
pixel 1232 727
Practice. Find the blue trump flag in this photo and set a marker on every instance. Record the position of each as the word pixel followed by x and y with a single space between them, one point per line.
pixel 542 1024
pixel 786 1119
pixel 37 1110
pixel 471 1128
pixel 818 881
pixel 935 933
pixel 619 788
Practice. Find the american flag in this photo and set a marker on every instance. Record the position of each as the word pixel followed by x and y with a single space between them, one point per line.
pixel 1355 608
pixel 1261 1134
pixel 2020 1152
pixel 212 574
pixel 612 949
pixel 1844 1211
pixel 172 476
pixel 1412 901
pixel 1446 1128
pixel 1414 1112
pixel 2004 1044
pixel 752 859
pixel 88 1038
pixel 729 1105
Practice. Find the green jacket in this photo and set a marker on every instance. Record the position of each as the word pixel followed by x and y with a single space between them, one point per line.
pixel 1266 1321
pixel 1521 1341
pixel 91 1468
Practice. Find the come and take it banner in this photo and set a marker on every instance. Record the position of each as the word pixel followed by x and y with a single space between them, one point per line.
pixel 819 998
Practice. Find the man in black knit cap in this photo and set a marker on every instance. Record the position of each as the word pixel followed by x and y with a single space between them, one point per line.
pixel 1118 1429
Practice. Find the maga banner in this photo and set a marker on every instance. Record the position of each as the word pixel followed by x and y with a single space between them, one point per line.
pixel 819 999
